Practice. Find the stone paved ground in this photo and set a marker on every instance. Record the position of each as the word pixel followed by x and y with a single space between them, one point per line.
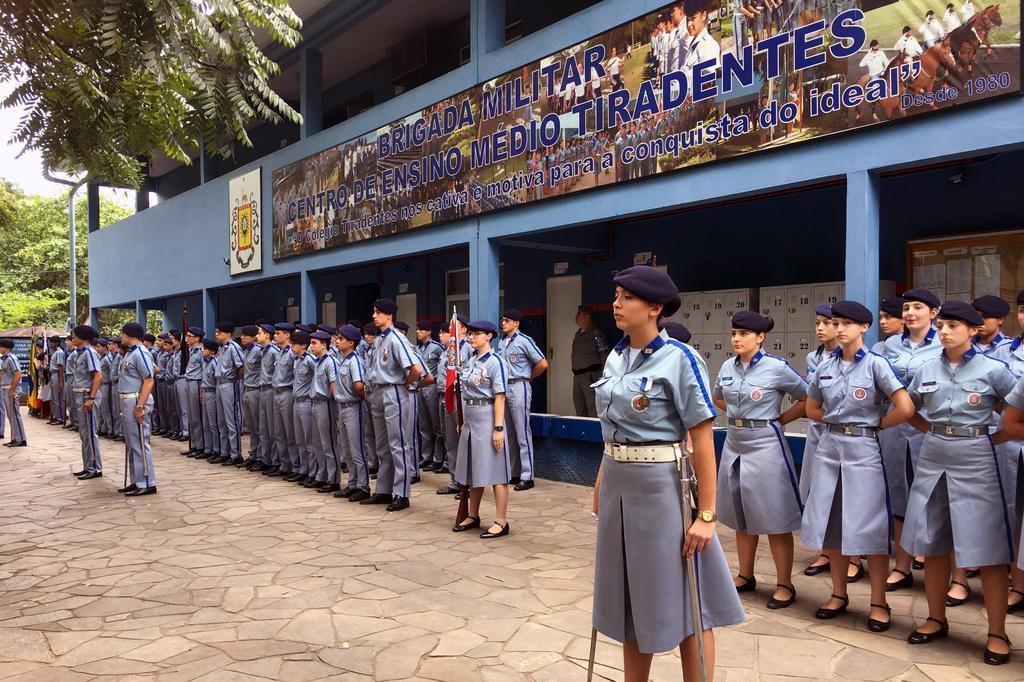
pixel 227 575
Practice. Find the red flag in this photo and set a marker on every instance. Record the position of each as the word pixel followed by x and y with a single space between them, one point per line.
pixel 451 365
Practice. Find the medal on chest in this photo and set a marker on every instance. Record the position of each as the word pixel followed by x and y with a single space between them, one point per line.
pixel 384 354
pixel 641 402
pixel 859 393
pixel 756 394
pixel 974 399
pixel 479 377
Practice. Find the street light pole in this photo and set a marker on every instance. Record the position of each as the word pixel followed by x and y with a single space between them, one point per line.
pixel 75 186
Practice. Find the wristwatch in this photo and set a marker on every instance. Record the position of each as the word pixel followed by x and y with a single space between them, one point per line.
pixel 707 516
pixel 499 429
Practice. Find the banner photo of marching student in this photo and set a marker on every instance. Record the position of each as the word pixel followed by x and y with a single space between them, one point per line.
pixel 688 84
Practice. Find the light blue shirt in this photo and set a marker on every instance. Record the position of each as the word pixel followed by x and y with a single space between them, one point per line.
pixel 88 361
pixel 987 348
pixel 392 358
pixel 284 370
pixel 194 368
pixel 135 368
pixel 483 376
pixel 9 365
pixel 521 353
pixel 305 368
pixel 1016 396
pixel 253 366
pixel 324 375
pixel 229 359
pixel 906 358
pixel 756 392
pixel 350 370
pixel 105 367
pixel 210 372
pixel 853 396
pixel 964 395
pixel 1011 352
pixel 662 395
pixel 431 352
pixel 268 364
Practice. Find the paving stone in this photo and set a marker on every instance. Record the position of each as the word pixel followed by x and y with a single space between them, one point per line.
pixel 311 627
pixel 450 670
pixel 357 659
pixel 858 664
pixel 532 637
pixel 456 643
pixel 399 661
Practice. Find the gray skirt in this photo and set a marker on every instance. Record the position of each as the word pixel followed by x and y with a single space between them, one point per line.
pixel 640 581
pixel 901 446
pixel 957 503
pixel 478 463
pixel 847 505
pixel 757 487
pixel 814 431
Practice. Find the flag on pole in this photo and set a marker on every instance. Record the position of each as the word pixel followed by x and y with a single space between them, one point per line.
pixel 451 365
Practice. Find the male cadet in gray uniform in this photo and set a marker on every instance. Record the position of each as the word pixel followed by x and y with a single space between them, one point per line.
pixel 428 414
pixel 74 346
pixel 229 404
pixel 150 345
pixel 325 375
pixel 284 413
pixel 180 387
pixel 194 387
pixel 58 405
pixel 266 461
pixel 526 362
pixel 136 386
pixel 85 387
pixel 365 349
pixel 102 414
pixel 448 420
pixel 179 421
pixel 589 351
pixel 209 402
pixel 303 462
pixel 253 354
pixel 160 389
pixel 348 393
pixel 426 379
pixel 115 358
pixel 10 379
pixel 392 372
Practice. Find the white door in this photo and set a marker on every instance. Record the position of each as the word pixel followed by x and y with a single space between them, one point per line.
pixel 563 300
pixel 329 314
pixel 407 313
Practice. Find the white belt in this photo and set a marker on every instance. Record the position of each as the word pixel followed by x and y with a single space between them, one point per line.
pixel 80 390
pixel 641 453
pixel 129 395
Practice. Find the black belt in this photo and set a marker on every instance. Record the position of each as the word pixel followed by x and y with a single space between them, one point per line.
pixel 591 368
pixel 958 431
pixel 479 402
pixel 266 388
pixel 750 423
pixel 251 388
pixel 319 400
pixel 195 380
pixel 301 399
pixel 847 430
pixel 282 389
pixel 516 381
pixel 209 390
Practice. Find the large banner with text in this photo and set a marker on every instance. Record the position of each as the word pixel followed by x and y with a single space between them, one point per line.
pixel 688 84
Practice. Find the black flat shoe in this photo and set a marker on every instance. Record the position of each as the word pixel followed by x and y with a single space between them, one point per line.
pixel 474 523
pixel 1016 606
pixel 880 625
pixel 524 485
pixel 991 657
pixel 83 472
pixel 312 483
pixel 918 637
pixel 917 565
pixel 828 614
pixel 957 601
pixel 906 581
pixel 378 498
pixel 127 489
pixel 488 535
pixel 973 573
pixel 861 572
pixel 813 570
pixel 774 603
pixel 399 504
pixel 749 584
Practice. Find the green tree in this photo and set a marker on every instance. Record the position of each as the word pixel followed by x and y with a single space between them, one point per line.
pixel 104 83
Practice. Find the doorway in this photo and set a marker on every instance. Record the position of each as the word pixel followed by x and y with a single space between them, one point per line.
pixel 563 299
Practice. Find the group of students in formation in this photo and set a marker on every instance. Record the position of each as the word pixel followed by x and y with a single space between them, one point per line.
pixel 914 452
pixel 317 402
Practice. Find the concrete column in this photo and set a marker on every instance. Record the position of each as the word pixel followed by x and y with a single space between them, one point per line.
pixel 140 314
pixel 484 274
pixel 207 312
pixel 486 27
pixel 142 196
pixel 862 243
pixel 307 300
pixel 311 91
pixel 93 203
pixel 94 319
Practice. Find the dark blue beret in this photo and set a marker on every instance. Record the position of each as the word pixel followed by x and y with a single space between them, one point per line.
pixel 513 314
pixel 210 344
pixel 308 328
pixel 386 306
pixel 825 310
pixel 325 328
pixel 226 327
pixel 103 341
pixel 149 337
pixel 6 343
pixel 751 321
pixel 56 339
pixel 134 330
pixel 321 336
pixel 482 326
pixel 853 311
pixel 349 332
pixel 425 325
pixel 991 306
pixel 892 306
pixel 464 319
pixel 249 330
pixel 677 331
pixel 262 321
pixel 284 327
pixel 267 327
pixel 371 329
pixel 921 296
pixel 1020 297
pixel 197 331
pixel 300 337
pixel 84 332
pixel 650 284
pixel 959 310
pixel 402 327
pixel 94 341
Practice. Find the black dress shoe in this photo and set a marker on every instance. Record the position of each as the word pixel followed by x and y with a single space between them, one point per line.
pixel 880 625
pixel 346 492
pixel 415 479
pixel 749 584
pixel 399 504
pixel 487 534
pixel 828 614
pixel 330 488
pixel 515 480
pixel 258 467
pixel 373 470
pixel 816 570
pixel 917 565
pixel 291 478
pixel 187 453
pixel 238 462
pixel 474 522
pixel 301 480
pixel 429 467
pixel 17 444
pixel 918 637
pixel 83 472
pixel 957 601
pixel 86 477
pixel 444 469
pixel 1016 606
pixel 378 498
pixel 906 581
pixel 861 572
pixel 524 485
pixel 424 463
pixel 774 603
pixel 359 496
pixel 991 657
pixel 217 459
pixel 447 490
pixel 204 455
pixel 138 492
pixel 127 489
pixel 313 483
pixel 974 573
pixel 274 473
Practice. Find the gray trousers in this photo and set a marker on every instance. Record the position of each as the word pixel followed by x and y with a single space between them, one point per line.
pixel 101 409
pixel 136 439
pixel 13 416
pixel 116 420
pixel 284 430
pixel 267 444
pixel 302 461
pixel 229 418
pixel 211 430
pixel 428 421
pixel 182 402
pixel 518 395
pixel 251 417
pixel 583 395
pixel 196 430
pixel 369 434
pixel 91 459
pixel 58 402
pixel 393 427
pixel 351 444
pixel 324 445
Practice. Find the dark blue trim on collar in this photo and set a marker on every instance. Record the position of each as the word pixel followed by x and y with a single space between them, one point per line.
pixel 656 343
pixel 1016 343
pixel 927 337
pixel 968 354
pixel 838 353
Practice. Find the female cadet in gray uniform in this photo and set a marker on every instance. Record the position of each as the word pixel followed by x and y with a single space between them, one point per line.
pixel 526 362
pixel 907 351
pixel 847 511
pixel 956 503
pixel 104 418
pixel 483 453
pixel 136 386
pixel 757 487
pixel 653 390
pixel 349 389
pixel 211 429
pixel 10 378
